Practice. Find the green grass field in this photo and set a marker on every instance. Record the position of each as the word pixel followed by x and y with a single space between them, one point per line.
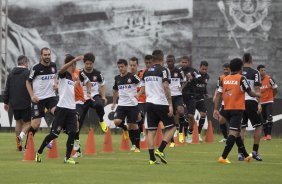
pixel 187 164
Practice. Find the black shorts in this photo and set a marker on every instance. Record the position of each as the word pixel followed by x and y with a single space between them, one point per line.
pixel 192 103
pixel 234 117
pixel 79 109
pixel 176 102
pixel 23 114
pixel 251 113
pixel 222 112
pixel 129 112
pixel 157 113
pixel 38 109
pixel 142 108
pixel 267 112
pixel 64 119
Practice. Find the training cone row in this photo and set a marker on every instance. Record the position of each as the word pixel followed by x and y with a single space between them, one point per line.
pixel 29 154
pixel 209 135
pixel 125 144
pixel 108 143
pixel 53 152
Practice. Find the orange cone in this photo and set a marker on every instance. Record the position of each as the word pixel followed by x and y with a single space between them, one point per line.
pixel 209 135
pixel 195 135
pixel 72 152
pixel 124 145
pixel 29 153
pixel 53 152
pixel 90 148
pixel 159 136
pixel 108 144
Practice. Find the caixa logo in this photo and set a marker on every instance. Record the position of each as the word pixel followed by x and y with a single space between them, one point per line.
pixel 47 77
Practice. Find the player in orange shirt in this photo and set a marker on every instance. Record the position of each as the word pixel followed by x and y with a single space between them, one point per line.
pixel 268 93
pixel 232 90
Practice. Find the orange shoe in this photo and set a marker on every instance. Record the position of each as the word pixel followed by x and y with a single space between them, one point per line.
pixel 268 137
pixel 223 161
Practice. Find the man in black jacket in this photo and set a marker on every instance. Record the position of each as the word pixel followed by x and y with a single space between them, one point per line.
pixel 17 98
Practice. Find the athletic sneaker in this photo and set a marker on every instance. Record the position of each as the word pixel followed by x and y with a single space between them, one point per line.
pixel 268 137
pixel 70 161
pixel 189 138
pixel 172 145
pixel 38 157
pixel 103 126
pixel 180 138
pixel 161 156
pixel 133 147
pixel 77 154
pixel 200 138
pixel 248 159
pixel 154 162
pixel 222 140
pixel 137 150
pixel 126 135
pixel 256 156
pixel 50 145
pixel 142 136
pixel 76 145
pixel 19 143
pixel 223 161
pixel 241 157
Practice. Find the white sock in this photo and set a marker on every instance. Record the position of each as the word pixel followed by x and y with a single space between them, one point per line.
pixel 22 134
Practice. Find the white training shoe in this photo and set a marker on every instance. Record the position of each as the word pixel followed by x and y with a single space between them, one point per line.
pixel 189 138
pixel 175 133
pixel 77 154
pixel 200 138
pixel 142 136
pixel 222 140
pixel 133 147
pixel 76 145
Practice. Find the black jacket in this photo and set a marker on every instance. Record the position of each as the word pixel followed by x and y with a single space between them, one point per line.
pixel 16 93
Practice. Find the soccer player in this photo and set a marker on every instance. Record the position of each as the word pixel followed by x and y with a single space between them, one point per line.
pixel 125 87
pixel 177 79
pixel 232 89
pixel 202 93
pixel 65 114
pixel 41 86
pixel 155 83
pixel 253 106
pixel 222 120
pixel 189 93
pixel 97 99
pixel 16 97
pixel 268 93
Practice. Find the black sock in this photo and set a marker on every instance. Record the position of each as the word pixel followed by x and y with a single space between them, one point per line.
pixel 152 155
pixel 46 141
pixel 162 146
pixel 172 139
pixel 201 124
pixel 241 146
pixel 33 131
pixel 137 138
pixel 69 144
pixel 76 137
pixel 223 129
pixel 255 147
pixel 228 147
pixel 186 124
pixel 190 131
pixel 122 126
pixel 265 129
pixel 269 127
pixel 132 136
pixel 181 127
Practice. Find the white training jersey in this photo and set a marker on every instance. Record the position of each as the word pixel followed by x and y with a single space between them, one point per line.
pixel 42 78
pixel 177 77
pixel 66 91
pixel 127 89
pixel 254 79
pixel 153 80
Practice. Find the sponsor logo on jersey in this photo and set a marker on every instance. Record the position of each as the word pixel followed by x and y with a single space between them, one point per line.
pixel 47 77
pixel 94 78
pixel 53 70
pixel 231 82
pixel 124 87
pixel 151 78
pixel 129 80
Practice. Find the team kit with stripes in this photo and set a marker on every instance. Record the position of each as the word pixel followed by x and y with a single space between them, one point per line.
pixel 163 92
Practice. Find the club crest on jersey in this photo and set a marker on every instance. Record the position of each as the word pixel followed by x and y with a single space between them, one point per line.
pixel 53 70
pixel 129 80
pixel 175 75
pixel 94 78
